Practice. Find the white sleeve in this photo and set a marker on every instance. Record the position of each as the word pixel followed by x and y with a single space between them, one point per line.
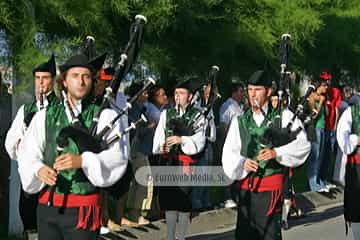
pixel 15 134
pixel 194 144
pixel 296 152
pixel 105 168
pixel 30 158
pixel 232 160
pixel 347 141
pixel 159 137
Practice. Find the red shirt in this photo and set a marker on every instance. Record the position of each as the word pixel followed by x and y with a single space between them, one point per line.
pixel 333 101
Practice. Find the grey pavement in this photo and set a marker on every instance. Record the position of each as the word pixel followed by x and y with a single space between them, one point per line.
pixel 323 220
pixel 324 223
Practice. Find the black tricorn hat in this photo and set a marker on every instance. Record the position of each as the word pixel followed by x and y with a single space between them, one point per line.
pixel 98 62
pixel 49 66
pixel 192 84
pixel 82 60
pixel 260 78
pixel 109 70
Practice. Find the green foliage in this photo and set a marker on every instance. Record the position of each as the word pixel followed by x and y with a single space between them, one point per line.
pixel 5 16
pixel 187 36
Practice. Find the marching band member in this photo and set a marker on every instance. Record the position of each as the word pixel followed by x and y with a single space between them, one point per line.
pixel 259 169
pixel 44 75
pixel 348 137
pixel 177 150
pixel 74 209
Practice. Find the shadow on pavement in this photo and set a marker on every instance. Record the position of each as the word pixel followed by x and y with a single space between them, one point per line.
pixel 315 217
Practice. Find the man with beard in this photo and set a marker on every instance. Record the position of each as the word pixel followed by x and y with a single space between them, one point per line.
pixel 67 179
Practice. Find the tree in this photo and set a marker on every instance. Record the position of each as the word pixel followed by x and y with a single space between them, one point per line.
pixel 187 37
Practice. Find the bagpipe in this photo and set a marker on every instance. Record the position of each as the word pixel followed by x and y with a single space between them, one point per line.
pixel 41 93
pixel 28 117
pixel 87 139
pixel 214 93
pixel 178 126
pixel 275 134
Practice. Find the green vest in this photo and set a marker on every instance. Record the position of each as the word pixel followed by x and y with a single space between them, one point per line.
pixel 68 181
pixel 31 108
pixel 355 111
pixel 250 136
pixel 185 120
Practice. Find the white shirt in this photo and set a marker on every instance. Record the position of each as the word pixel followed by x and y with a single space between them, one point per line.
pixel 346 140
pixel 190 144
pixel 102 169
pixel 17 130
pixel 292 154
pixel 229 110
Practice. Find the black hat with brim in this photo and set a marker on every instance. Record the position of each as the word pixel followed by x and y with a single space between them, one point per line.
pixel 98 62
pixel 109 70
pixel 49 66
pixel 82 60
pixel 192 84
pixel 260 78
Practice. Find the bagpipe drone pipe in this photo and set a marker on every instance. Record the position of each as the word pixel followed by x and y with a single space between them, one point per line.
pixel 275 134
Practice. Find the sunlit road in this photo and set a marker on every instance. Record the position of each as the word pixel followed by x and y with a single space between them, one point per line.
pixel 326 223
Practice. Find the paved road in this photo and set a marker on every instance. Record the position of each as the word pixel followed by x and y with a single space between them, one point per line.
pixel 326 223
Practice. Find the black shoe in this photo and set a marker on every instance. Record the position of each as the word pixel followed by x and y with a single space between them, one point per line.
pixel 284 225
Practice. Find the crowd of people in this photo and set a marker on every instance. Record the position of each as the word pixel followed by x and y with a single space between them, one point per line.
pixel 327 103
pixel 68 189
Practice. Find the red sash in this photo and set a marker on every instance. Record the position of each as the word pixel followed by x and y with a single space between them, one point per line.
pixel 262 184
pixel 353 159
pixel 273 184
pixel 185 160
pixel 88 204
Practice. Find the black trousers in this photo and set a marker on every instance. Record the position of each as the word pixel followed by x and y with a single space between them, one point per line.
pixel 252 222
pixel 27 209
pixel 54 224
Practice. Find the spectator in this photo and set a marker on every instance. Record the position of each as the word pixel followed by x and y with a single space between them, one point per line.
pixel 333 101
pixel 140 140
pixel 317 105
pixel 230 109
pixel 158 101
pixel 351 97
